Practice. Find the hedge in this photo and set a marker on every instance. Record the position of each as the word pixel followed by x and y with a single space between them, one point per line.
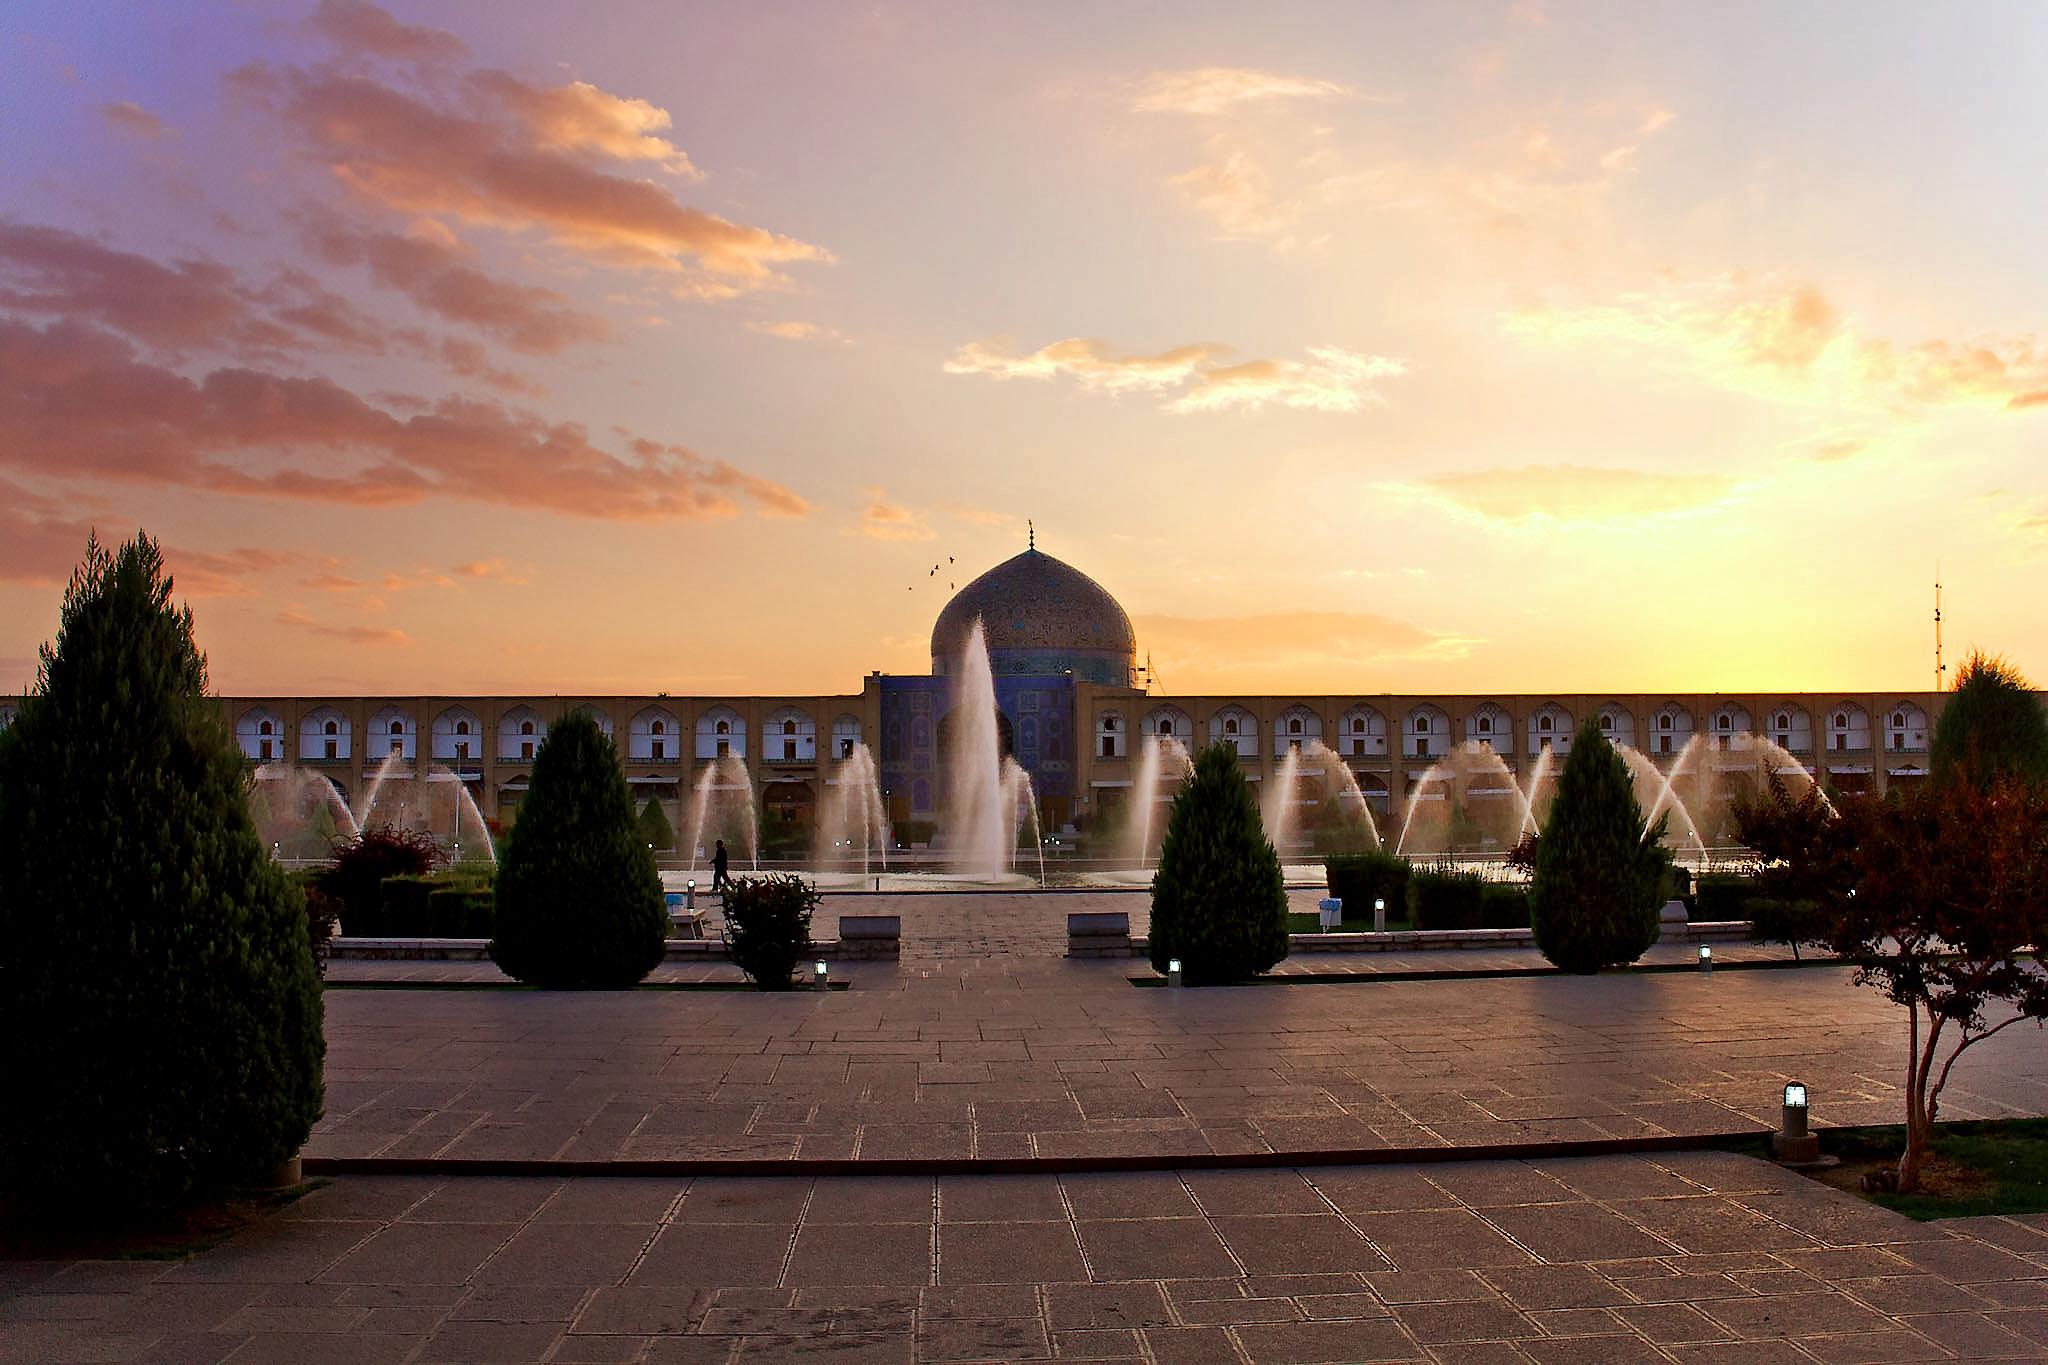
pixel 1358 879
pixel 1439 898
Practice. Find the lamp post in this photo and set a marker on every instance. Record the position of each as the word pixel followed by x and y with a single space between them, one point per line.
pixel 819 976
pixel 1173 971
pixel 1706 958
pixel 1794 1143
pixel 1379 915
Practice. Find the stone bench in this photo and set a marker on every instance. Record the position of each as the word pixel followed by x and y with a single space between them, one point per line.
pixel 1099 933
pixel 869 938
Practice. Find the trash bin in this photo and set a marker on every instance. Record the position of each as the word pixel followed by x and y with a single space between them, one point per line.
pixel 1331 910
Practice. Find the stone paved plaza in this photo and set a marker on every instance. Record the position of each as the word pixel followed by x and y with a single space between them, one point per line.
pixel 1687 1257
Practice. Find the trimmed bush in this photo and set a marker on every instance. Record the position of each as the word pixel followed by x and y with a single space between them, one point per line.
pixel 1594 899
pixel 1218 901
pixel 1358 879
pixel 768 927
pixel 363 864
pixel 1503 905
pixel 160 1016
pixel 459 911
pixel 404 912
pixel 1993 726
pixel 1723 896
pixel 655 830
pixel 1677 884
pixel 1444 898
pixel 578 900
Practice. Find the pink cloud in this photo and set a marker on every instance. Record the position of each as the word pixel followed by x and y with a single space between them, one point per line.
pixel 132 118
pixel 369 31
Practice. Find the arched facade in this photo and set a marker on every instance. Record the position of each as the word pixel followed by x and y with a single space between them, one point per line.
pixel 1296 728
pixel 1617 723
pixel 391 731
pixel 261 735
pixel 1791 729
pixel 1490 726
pixel 1550 727
pixel 1848 728
pixel 1426 733
pixel 520 732
pixel 791 737
pixel 1726 722
pixel 721 731
pixel 1362 733
pixel 845 735
pixel 1670 729
pixel 654 735
pixel 1237 727
pixel 324 733
pixel 1169 720
pixel 1905 729
pixel 1111 740
pixel 458 736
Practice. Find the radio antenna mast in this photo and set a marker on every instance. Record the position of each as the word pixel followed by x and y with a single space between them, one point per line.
pixel 1940 670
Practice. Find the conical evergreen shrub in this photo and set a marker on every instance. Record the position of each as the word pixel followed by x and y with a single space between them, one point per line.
pixel 578 900
pixel 1599 875
pixel 1218 903
pixel 160 1016
pixel 655 830
pixel 1993 726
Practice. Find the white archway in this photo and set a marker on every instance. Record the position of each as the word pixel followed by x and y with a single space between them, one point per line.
pixel 324 733
pixel 654 735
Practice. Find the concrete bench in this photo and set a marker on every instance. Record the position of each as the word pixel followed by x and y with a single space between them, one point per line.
pixel 869 937
pixel 1099 933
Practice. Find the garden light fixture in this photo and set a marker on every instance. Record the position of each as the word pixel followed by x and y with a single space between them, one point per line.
pixel 1794 1143
pixel 1379 915
pixel 1173 971
pixel 1706 958
pixel 818 976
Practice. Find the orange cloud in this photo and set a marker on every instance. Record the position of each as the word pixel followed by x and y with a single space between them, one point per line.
pixel 794 331
pixel 369 31
pixel 581 117
pixel 437 277
pixel 355 635
pixel 39 539
pixel 1331 380
pixel 187 304
pixel 1220 89
pixel 405 153
pixel 199 573
pixel 76 401
pixel 882 520
pixel 132 118
pixel 1575 492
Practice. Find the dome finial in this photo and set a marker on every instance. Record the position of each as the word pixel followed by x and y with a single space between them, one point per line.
pixel 1031 532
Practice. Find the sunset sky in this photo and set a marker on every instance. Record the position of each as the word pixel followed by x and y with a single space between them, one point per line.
pixel 489 347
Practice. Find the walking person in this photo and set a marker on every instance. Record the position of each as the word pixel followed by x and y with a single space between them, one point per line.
pixel 719 861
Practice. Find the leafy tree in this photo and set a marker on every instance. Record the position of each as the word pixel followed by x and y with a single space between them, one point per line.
pixel 655 830
pixel 1945 911
pixel 1594 897
pixel 768 927
pixel 1993 725
pixel 1218 902
pixel 160 1018
pixel 1800 866
pixel 579 903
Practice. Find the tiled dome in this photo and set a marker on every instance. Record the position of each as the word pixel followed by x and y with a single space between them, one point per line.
pixel 1034 605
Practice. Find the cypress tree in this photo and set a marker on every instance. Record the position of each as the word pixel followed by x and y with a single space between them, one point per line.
pixel 160 1017
pixel 1599 874
pixel 655 830
pixel 1218 902
pixel 579 902
pixel 1993 726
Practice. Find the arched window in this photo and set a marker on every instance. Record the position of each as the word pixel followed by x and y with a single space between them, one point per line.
pixel 720 732
pixel 461 727
pixel 1296 728
pixel 1484 725
pixel 1429 731
pixel 1233 725
pixel 397 728
pixel 796 737
pixel 453 735
pixel 724 727
pixel 1109 735
pixel 266 728
pixel 659 727
pixel 525 727
pixel 1792 730
pixel 519 734
pixel 257 732
pixel 1169 721
pixel 1672 727
pixel 1363 731
pixel 1906 729
pixel 845 735
pixel 1849 728
pixel 650 736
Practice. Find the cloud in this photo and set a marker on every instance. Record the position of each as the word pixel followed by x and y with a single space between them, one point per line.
pixel 1574 492
pixel 1791 342
pixel 1238 197
pixel 187 304
pixel 795 331
pixel 479 569
pixel 79 402
pixel 1213 652
pixel 2036 398
pixel 201 573
pixel 437 276
pixel 580 117
pixel 884 520
pixel 1331 380
pixel 39 539
pixel 1219 89
pixel 132 118
pixel 327 580
pixel 362 28
pixel 484 163
pixel 355 635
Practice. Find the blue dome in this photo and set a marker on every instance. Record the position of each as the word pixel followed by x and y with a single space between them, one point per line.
pixel 1041 617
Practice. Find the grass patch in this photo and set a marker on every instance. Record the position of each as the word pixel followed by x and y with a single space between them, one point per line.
pixel 1976 1168
pixel 140 1235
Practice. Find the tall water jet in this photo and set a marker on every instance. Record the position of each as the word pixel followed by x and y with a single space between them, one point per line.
pixel 1163 765
pixel 1020 809
pixel 1654 792
pixel 1471 771
pixel 1343 783
pixel 853 814
pixel 368 806
pixel 1280 809
pixel 299 808
pixel 722 806
pixel 1538 771
pixel 980 833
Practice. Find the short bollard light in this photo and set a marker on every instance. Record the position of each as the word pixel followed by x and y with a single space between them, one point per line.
pixel 819 973
pixel 1173 971
pixel 1379 915
pixel 1706 958
pixel 690 894
pixel 1794 1142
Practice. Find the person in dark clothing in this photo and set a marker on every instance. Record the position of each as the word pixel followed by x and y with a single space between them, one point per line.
pixel 719 880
